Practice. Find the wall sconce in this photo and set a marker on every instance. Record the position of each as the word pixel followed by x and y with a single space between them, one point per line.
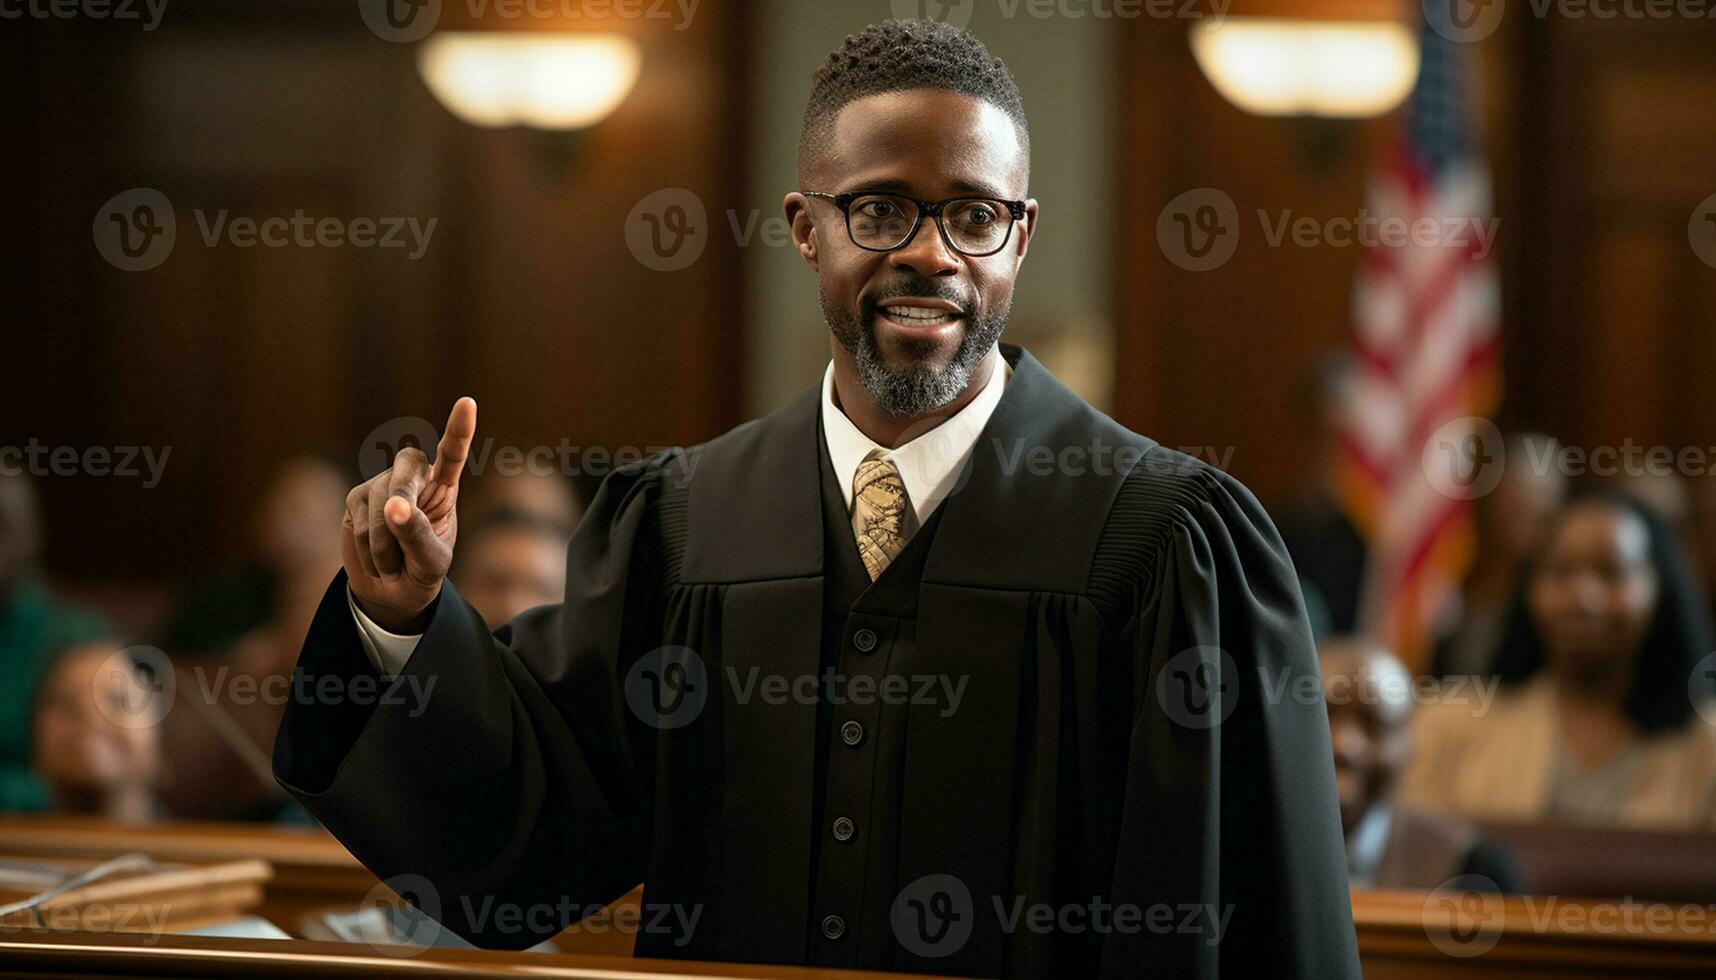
pixel 555 82
pixel 1334 59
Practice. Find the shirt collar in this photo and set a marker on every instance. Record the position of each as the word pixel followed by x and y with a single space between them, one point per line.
pixel 929 464
pixel 1369 839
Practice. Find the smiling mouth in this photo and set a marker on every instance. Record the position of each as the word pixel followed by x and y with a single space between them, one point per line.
pixel 920 312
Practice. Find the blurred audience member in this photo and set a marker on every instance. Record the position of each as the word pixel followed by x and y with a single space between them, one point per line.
pixel 220 734
pixel 1508 521
pixel 33 623
pixel 1326 547
pixel 1596 721
pixel 90 743
pixel 288 551
pixel 548 497
pixel 1391 844
pixel 1702 535
pixel 1663 491
pixel 510 561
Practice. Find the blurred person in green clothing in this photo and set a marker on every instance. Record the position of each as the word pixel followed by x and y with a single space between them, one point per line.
pixel 33 624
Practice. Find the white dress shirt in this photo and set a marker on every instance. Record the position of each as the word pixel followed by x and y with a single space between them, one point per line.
pixel 929 466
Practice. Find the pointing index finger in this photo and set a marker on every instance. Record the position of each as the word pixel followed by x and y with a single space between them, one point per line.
pixel 455 443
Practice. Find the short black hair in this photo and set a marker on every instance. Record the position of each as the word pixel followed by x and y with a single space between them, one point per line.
pixel 1678 637
pixel 897 55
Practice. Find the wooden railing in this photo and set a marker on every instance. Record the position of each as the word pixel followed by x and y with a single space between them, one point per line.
pixel 1404 935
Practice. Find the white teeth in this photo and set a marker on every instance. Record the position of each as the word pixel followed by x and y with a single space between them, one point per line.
pixel 919 314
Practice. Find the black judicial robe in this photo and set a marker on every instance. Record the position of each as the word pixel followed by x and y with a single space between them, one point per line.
pixel 1136 778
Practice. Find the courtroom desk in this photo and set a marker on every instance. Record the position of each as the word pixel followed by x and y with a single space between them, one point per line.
pixel 39 954
pixel 1411 935
pixel 312 871
pixel 1671 866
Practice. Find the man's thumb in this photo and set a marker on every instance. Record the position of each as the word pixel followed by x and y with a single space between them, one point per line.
pixel 410 526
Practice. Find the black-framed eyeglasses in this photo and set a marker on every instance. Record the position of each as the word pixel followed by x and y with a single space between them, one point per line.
pixel 971 226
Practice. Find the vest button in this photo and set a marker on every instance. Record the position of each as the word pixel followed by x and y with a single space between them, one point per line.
pixel 833 927
pixel 864 640
pixel 843 829
pixel 852 733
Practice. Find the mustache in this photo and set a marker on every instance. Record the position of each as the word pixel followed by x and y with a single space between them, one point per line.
pixel 915 286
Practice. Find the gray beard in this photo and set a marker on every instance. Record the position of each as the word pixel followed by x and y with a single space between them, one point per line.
pixel 918 388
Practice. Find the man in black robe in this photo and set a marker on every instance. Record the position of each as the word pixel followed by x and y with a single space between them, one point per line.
pixel 937 669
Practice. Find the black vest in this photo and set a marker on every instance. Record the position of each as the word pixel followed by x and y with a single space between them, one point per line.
pixel 860 731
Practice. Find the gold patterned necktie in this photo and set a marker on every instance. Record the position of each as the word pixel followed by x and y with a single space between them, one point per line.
pixel 881 512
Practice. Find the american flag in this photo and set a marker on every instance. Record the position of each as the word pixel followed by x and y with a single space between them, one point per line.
pixel 1425 342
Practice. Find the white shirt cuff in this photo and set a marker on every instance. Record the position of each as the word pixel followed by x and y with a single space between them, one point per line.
pixel 387 651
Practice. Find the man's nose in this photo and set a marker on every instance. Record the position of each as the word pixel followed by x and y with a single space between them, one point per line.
pixel 926 254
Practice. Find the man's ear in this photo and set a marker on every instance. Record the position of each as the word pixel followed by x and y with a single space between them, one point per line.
pixel 803 227
pixel 1026 227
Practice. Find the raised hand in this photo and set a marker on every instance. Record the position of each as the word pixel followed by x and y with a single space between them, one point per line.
pixel 399 527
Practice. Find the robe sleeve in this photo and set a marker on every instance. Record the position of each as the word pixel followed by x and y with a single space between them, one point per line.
pixel 1230 814
pixel 499 782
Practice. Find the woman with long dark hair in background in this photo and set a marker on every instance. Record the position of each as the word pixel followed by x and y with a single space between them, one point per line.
pixel 1601 713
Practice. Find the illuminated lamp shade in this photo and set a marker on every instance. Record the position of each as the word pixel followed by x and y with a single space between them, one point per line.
pixel 557 82
pixel 1309 60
